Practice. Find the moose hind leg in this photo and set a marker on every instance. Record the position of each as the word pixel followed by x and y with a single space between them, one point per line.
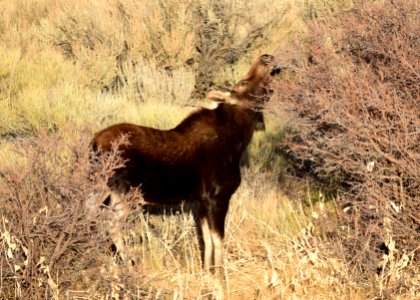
pixel 118 214
pixel 208 257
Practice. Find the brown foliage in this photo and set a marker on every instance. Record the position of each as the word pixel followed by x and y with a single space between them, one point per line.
pixel 52 230
pixel 354 91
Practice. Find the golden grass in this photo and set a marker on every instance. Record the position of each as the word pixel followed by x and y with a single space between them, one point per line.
pixel 46 93
pixel 270 252
pixel 270 248
pixel 55 55
pixel 47 85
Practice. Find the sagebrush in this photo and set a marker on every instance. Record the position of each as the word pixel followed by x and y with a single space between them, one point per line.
pixel 353 88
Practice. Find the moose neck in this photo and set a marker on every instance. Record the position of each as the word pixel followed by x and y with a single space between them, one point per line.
pixel 230 122
pixel 241 123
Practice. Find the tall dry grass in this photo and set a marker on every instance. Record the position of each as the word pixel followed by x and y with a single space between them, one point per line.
pixel 60 60
pixel 70 68
pixel 52 246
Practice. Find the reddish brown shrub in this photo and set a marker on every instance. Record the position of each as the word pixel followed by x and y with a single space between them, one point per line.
pixel 52 236
pixel 354 91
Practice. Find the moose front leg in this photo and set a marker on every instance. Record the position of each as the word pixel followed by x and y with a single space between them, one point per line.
pixel 216 216
pixel 212 220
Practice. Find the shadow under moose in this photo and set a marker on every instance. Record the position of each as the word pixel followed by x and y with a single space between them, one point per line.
pixel 198 161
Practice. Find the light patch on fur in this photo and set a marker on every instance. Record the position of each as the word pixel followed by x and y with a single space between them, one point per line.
pixel 93 202
pixel 233 101
pixel 222 97
pixel 208 244
pixel 219 96
pixel 208 104
pixel 118 212
pixel 218 249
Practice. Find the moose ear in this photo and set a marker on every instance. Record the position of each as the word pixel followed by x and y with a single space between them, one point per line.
pixel 218 96
pixel 221 97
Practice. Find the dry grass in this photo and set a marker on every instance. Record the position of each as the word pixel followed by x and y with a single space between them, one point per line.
pixel 271 246
pixel 270 252
pixel 56 58
pixel 68 69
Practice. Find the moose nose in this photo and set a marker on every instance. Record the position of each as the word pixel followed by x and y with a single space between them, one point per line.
pixel 276 70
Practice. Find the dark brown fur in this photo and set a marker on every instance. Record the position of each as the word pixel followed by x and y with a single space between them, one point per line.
pixel 198 160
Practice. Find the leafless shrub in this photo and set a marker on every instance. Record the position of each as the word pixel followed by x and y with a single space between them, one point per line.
pixel 354 90
pixel 218 42
pixel 52 228
pixel 214 34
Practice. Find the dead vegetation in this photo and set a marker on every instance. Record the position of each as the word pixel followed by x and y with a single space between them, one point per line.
pixel 352 87
pixel 219 44
pixel 354 91
pixel 54 241
pixel 53 232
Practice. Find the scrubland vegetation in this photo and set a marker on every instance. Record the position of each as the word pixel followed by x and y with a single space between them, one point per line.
pixel 329 204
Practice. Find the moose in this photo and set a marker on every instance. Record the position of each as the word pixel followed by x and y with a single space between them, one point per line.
pixel 198 160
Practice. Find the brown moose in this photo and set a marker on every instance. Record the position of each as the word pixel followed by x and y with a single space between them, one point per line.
pixel 198 160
